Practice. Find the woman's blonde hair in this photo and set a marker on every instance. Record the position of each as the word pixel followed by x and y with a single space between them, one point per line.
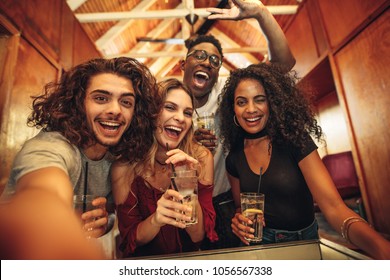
pixel 146 168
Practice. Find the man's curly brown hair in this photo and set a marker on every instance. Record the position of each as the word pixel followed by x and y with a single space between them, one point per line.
pixel 291 117
pixel 61 107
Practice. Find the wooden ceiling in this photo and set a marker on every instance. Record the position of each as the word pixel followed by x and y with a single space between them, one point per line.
pixel 131 27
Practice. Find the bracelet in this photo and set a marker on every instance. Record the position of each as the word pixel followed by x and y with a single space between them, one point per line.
pixel 346 225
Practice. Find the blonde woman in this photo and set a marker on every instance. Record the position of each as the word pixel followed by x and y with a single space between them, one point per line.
pixel 147 207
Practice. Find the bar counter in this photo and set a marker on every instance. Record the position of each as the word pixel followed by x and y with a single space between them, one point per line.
pixel 321 249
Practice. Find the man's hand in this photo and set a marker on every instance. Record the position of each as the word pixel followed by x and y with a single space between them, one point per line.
pixel 95 221
pixel 206 138
pixel 239 9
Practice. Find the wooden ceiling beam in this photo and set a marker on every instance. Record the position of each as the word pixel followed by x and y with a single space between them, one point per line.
pixel 164 14
pixel 183 53
pixel 122 25
pixel 74 4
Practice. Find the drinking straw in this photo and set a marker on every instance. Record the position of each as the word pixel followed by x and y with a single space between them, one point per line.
pixel 197 114
pixel 173 174
pixel 258 192
pixel 85 187
pixel 258 186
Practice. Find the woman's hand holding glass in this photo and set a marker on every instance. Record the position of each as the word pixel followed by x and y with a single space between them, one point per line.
pixel 170 207
pixel 241 226
pixel 240 229
pixel 170 211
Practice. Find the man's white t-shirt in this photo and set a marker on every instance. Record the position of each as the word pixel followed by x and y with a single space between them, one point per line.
pixel 221 183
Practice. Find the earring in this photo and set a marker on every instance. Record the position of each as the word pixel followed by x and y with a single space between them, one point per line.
pixel 235 121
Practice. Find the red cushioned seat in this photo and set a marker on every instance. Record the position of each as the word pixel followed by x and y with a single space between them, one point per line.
pixel 343 172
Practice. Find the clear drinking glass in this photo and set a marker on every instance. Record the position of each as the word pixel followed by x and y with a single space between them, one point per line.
pixel 81 204
pixel 252 207
pixel 206 121
pixel 187 185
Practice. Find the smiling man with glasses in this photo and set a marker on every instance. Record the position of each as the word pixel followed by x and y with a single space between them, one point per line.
pixel 201 75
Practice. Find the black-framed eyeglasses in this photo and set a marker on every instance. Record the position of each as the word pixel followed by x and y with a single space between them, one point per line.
pixel 202 55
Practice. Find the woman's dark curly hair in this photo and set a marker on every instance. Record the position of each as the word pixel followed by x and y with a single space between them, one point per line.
pixel 291 117
pixel 61 106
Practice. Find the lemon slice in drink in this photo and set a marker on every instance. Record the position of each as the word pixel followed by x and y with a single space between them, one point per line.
pixel 252 211
pixel 201 124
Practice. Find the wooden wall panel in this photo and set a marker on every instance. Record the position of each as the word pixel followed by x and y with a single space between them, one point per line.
pixel 50 26
pixel 364 74
pixel 5 41
pixel 9 51
pixel 83 48
pixel 67 25
pixel 343 18
pixel 333 123
pixel 39 21
pixel 31 73
pixel 302 43
pixel 317 25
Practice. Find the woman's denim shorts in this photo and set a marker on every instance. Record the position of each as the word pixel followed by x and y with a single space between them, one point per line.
pixel 276 236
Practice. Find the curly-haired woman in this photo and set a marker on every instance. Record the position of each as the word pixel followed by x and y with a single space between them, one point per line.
pixel 266 126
